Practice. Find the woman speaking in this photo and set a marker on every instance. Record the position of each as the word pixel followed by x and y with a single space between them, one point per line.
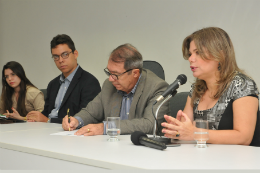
pixel 222 93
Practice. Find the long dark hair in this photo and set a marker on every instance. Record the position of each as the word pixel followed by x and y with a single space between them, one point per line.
pixel 7 91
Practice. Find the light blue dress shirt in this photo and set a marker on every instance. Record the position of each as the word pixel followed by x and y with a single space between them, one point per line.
pixel 65 83
pixel 127 101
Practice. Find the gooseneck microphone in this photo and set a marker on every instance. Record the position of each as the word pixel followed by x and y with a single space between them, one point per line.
pixel 181 79
pixel 169 92
pixel 139 138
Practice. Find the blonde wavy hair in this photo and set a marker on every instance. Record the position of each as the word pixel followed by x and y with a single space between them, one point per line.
pixel 213 44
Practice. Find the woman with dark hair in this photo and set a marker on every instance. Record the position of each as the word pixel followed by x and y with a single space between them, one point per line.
pixel 19 95
pixel 222 93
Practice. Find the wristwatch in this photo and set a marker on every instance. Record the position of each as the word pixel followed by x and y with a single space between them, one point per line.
pixel 49 120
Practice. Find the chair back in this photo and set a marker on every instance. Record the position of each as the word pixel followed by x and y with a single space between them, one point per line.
pixel 155 67
pixel 44 91
pixel 178 102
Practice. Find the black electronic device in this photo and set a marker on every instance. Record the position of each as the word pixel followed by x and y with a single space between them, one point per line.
pixel 139 138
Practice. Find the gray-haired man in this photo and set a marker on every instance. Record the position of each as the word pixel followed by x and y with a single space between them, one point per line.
pixel 128 93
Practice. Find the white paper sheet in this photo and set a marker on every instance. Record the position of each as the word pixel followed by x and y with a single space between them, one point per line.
pixel 66 133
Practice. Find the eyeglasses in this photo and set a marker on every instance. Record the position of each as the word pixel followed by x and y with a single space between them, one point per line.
pixel 64 55
pixel 114 76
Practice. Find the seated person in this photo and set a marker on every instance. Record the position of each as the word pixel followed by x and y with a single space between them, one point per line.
pixel 72 90
pixel 128 93
pixel 222 93
pixel 19 96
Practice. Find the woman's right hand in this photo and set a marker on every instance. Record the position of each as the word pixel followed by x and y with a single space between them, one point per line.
pixel 14 115
pixel 176 129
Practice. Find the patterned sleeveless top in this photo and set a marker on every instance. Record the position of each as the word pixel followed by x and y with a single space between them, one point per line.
pixel 240 86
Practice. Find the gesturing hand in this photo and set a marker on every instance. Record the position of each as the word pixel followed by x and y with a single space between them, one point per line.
pixel 176 129
pixel 14 115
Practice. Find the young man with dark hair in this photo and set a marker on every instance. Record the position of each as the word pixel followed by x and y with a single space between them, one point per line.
pixel 72 90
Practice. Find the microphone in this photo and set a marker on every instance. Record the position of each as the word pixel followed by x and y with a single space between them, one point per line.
pixel 139 138
pixel 181 79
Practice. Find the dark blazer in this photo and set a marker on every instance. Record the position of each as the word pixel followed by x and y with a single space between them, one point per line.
pixel 83 88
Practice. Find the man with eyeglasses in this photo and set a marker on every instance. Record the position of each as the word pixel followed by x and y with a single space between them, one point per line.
pixel 128 93
pixel 72 90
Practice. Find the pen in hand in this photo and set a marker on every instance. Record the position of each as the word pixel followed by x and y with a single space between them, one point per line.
pixel 68 112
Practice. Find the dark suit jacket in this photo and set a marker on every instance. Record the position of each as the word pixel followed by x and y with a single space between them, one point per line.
pixel 83 88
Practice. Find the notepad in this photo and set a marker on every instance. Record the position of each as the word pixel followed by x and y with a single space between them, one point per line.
pixel 66 133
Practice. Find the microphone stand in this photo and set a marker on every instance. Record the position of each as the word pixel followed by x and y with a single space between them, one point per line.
pixel 155 137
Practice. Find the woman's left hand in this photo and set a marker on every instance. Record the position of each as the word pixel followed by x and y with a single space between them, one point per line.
pixel 176 129
pixel 14 115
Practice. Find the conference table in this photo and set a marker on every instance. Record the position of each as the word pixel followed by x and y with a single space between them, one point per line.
pixel 29 146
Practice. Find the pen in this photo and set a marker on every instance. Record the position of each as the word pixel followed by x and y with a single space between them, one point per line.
pixel 68 112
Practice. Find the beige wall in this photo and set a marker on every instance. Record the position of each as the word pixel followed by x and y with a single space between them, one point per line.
pixel 156 27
